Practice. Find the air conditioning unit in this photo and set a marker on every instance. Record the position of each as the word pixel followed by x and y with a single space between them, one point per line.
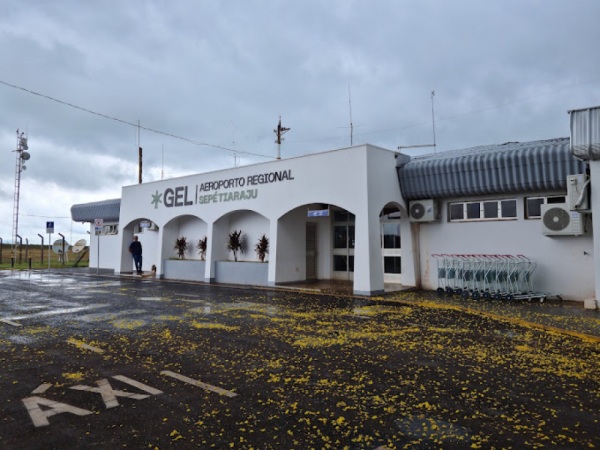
pixel 577 192
pixel 558 220
pixel 423 210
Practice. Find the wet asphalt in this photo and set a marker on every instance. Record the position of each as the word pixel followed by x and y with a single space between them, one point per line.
pixel 90 359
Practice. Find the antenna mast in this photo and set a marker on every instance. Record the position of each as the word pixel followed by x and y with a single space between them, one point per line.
pixel 400 147
pixel 235 157
pixel 22 156
pixel 280 131
pixel 350 106
pixel 433 119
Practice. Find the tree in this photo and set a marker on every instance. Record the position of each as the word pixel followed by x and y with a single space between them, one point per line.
pixel 262 248
pixel 236 243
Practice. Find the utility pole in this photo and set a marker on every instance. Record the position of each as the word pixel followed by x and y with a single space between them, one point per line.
pixel 280 131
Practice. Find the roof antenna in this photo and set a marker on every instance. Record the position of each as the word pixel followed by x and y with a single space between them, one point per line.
pixel 280 131
pixel 400 147
pixel 235 157
pixel 350 107
pixel 433 119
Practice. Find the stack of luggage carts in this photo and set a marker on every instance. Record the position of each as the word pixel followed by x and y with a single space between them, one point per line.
pixel 497 277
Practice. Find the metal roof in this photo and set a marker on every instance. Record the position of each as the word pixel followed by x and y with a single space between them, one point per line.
pixel 585 133
pixel 106 209
pixel 491 169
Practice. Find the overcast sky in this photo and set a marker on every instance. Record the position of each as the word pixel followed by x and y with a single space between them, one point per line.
pixel 221 72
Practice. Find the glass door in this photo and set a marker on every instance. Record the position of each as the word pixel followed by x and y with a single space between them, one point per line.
pixel 391 251
pixel 343 246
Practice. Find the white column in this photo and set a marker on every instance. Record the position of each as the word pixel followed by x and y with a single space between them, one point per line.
pixel 368 264
pixel 209 266
pixel 272 256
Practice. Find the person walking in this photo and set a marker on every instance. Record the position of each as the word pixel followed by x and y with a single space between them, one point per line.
pixel 135 248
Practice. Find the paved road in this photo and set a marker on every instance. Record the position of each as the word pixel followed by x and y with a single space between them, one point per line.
pixel 109 362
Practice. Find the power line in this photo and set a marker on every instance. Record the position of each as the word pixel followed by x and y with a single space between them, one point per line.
pixel 125 122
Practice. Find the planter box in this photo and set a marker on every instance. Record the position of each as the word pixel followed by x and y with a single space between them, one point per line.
pixel 242 272
pixel 183 269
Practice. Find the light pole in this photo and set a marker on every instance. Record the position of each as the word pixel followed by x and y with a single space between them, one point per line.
pixel 22 156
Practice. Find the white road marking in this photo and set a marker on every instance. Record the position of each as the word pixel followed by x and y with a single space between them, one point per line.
pixel 150 299
pixel 40 418
pixel 80 344
pixel 55 312
pixel 137 384
pixel 109 395
pixel 198 383
pixel 41 388
pixel 10 322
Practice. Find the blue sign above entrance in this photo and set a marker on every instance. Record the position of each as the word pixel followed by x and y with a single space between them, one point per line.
pixel 318 213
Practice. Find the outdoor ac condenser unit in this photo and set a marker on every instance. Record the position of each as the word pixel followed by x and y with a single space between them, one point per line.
pixel 423 210
pixel 558 220
pixel 577 192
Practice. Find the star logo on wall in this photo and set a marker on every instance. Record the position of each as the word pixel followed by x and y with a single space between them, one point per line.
pixel 156 199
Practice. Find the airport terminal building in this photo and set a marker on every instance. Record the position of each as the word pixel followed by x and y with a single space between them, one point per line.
pixel 508 217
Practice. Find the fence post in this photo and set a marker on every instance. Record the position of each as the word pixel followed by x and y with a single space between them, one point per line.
pixel 20 248
pixel 63 248
pixel 42 237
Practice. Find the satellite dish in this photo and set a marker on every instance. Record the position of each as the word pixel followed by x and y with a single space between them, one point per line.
pixel 79 245
pixel 23 167
pixel 58 248
pixel 25 156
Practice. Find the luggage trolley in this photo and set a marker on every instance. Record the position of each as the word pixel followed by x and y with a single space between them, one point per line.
pixel 441 273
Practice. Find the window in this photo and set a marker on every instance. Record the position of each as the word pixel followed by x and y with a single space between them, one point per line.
pixel 484 210
pixel 533 205
pixel 110 229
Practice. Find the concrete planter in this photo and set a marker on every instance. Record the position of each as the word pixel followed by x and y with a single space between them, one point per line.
pixel 242 272
pixel 184 269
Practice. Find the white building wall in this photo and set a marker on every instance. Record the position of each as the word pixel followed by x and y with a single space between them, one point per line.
pixel 564 263
pixel 109 249
pixel 339 178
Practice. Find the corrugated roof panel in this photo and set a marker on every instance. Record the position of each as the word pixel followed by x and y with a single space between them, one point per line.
pixel 108 210
pixel 493 169
pixel 585 133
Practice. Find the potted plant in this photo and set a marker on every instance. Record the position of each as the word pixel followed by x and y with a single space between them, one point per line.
pixel 181 246
pixel 262 248
pixel 202 246
pixel 236 243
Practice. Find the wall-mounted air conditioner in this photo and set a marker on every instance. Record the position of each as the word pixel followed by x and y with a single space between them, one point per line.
pixel 558 220
pixel 423 210
pixel 577 192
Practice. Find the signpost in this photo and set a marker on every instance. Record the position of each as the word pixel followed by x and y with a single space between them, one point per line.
pixel 49 231
pixel 98 225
